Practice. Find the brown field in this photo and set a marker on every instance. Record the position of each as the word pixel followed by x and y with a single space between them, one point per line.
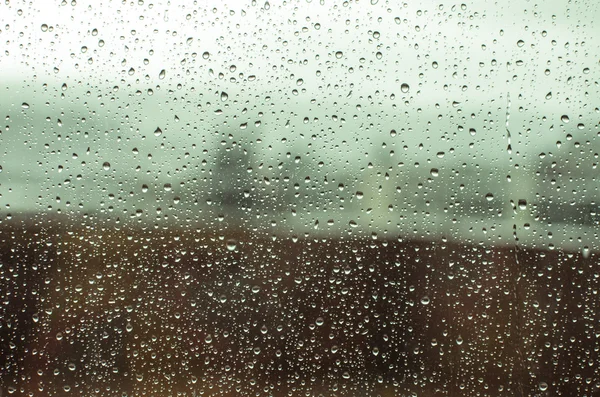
pixel 92 310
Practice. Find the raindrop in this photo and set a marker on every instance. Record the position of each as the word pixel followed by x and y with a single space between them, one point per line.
pixel 565 118
pixel 425 300
pixel 25 105
pixel 543 386
pixel 162 74
pixel 224 96
pixel 489 197
pixel 339 54
pixel 404 88
pixel 157 131
pixel 231 245
pixel 106 166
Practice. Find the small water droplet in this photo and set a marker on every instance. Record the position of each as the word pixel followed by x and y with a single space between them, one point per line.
pixel 44 27
pixel 162 74
pixel 224 96
pixel 565 118
pixel 489 197
pixel 404 88
pixel 543 386
pixel 425 300
pixel 25 105
pixel 157 131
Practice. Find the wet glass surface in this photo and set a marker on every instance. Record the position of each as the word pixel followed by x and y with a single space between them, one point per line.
pixel 299 198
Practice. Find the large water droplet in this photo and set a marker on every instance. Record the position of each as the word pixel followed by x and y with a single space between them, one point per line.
pixel 404 88
pixel 231 244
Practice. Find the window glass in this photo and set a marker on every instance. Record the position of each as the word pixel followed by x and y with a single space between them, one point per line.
pixel 352 198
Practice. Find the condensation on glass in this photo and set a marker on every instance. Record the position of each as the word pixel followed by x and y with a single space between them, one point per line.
pixel 353 198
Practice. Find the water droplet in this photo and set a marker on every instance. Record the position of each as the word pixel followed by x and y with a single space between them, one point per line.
pixel 434 172
pixel 543 386
pixel 565 118
pixel 25 105
pixel 359 195
pixel 208 339
pixel 157 131
pixel 404 88
pixel 72 367
pixel 549 95
pixel 425 300
pixel 393 133
pixel 255 289
pixel 189 40
pixel 106 166
pixel 231 245
pixel 206 55
pixel 167 187
pixel 459 340
pixel 44 27
pixel 489 197
pixel 224 96
pixel 339 54
pixel 162 74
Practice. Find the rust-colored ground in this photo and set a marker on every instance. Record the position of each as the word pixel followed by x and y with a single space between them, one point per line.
pixel 93 311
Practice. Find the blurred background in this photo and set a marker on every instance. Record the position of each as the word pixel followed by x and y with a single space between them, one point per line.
pixel 299 198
